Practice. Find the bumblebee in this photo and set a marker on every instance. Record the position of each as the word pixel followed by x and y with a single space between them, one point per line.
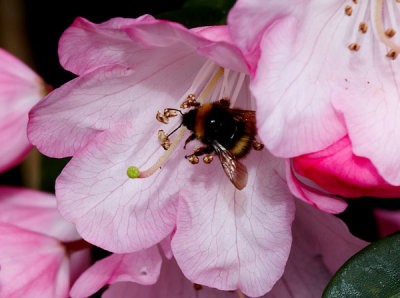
pixel 230 133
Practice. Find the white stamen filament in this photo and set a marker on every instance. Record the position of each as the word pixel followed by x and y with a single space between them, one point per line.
pixel 380 30
pixel 178 138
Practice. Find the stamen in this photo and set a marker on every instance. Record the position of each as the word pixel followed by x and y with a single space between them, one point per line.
pixel 178 138
pixel 381 32
pixel 363 27
pixel 348 10
pixel 355 1
pixel 390 32
pixel 354 46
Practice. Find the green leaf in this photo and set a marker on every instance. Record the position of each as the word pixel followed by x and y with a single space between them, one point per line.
pixel 372 272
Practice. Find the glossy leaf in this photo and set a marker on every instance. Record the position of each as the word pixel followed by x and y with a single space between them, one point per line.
pixel 373 272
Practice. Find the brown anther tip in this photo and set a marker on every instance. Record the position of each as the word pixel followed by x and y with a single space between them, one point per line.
pixel 170 113
pixel 197 287
pixel 166 144
pixel 193 159
pixel 355 1
pixel 398 1
pixel 354 46
pixel 363 27
pixel 160 117
pixel 208 159
pixel 162 136
pixel 348 10
pixel 392 54
pixel 258 146
pixel 191 97
pixel 390 32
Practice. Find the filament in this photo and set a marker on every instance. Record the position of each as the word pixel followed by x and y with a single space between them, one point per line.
pixel 380 30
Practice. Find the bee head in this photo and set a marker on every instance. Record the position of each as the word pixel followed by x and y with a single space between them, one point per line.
pixel 189 119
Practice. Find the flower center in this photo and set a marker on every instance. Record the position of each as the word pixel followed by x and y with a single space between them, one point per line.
pixel 211 83
pixel 383 19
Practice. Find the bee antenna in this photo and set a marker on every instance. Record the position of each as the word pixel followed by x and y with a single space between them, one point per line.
pixel 174 130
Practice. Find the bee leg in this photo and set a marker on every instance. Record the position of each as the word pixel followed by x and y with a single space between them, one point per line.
pixel 258 146
pixel 189 139
pixel 225 102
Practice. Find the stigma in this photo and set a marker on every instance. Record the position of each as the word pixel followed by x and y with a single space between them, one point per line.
pixel 378 19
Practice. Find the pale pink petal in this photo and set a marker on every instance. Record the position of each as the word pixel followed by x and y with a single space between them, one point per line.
pixel 67 119
pixel 172 283
pixel 142 267
pixel 20 89
pixel 35 211
pixel 79 261
pixel 321 244
pixel 165 245
pixel 388 221
pixel 32 265
pixel 294 113
pixel 110 209
pixel 248 20
pixel 312 195
pixel 371 109
pixel 133 42
pixel 230 239
pixel 336 169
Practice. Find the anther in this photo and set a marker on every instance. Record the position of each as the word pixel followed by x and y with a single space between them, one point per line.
pixel 363 27
pixel 392 54
pixel 354 46
pixel 355 1
pixel 208 158
pixel 162 136
pixel 170 113
pixel 193 159
pixel 190 102
pixel 390 32
pixel 348 10
pixel 258 146
pixel 162 118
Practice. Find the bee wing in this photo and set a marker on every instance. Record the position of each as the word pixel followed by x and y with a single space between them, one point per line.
pixel 234 169
pixel 243 115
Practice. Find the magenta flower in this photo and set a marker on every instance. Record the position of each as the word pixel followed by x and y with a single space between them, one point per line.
pixel 20 89
pixel 310 266
pixel 36 255
pixel 323 71
pixel 128 69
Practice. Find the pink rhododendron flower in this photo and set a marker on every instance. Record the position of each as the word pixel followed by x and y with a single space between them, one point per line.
pixel 128 69
pixel 325 73
pixel 20 89
pixel 35 254
pixel 321 244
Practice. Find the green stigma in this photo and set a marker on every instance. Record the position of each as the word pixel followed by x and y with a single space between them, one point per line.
pixel 132 172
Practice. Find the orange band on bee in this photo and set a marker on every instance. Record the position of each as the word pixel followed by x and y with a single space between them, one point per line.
pixel 200 119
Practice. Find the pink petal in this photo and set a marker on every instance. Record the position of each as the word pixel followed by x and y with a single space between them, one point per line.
pixel 292 119
pixel 321 244
pixel 248 21
pixel 20 89
pixel 312 195
pixel 337 170
pixel 67 119
pixel 165 245
pixel 172 283
pixel 131 42
pixel 388 221
pixel 141 267
pixel 371 110
pixel 110 209
pixel 32 265
pixel 79 261
pixel 34 211
pixel 230 239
